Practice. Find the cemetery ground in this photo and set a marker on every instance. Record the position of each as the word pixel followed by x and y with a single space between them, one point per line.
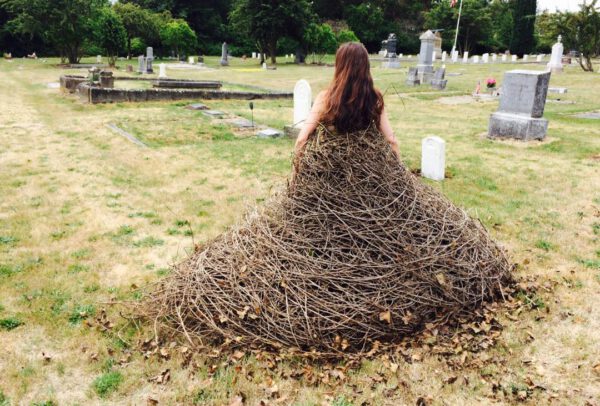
pixel 87 217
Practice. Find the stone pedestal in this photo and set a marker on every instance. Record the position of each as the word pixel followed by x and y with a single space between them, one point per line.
pixel 149 59
pixel 509 125
pixel 522 103
pixel 425 65
pixel 107 80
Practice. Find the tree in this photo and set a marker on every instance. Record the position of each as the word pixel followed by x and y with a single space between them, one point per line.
pixel 523 39
pixel 266 21
pixel 111 35
pixel 320 40
pixel 368 22
pixel 139 23
pixel 178 35
pixel 581 32
pixel 65 24
pixel 346 36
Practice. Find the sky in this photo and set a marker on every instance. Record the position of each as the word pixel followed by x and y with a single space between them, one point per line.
pixel 561 5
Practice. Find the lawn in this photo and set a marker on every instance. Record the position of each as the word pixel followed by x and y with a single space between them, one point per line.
pixel 87 217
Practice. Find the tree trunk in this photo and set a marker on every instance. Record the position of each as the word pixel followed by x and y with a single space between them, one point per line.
pixel 128 47
pixel 273 51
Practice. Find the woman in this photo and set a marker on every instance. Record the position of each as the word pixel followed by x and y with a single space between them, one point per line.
pixel 357 250
pixel 351 103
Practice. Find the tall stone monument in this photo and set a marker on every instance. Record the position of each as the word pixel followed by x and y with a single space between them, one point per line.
pixel 555 64
pixel 425 64
pixel 437 44
pixel 521 107
pixel 149 59
pixel 224 55
pixel 391 58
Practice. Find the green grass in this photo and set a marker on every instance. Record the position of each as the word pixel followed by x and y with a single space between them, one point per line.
pixel 10 323
pixel 107 383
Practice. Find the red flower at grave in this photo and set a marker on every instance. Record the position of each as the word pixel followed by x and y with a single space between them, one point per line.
pixel 490 83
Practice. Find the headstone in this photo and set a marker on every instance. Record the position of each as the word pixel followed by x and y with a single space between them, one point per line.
pixel 269 133
pixel 514 58
pixel 559 90
pixel 107 80
pixel 444 56
pixel 455 57
pixel 98 58
pixel 504 57
pixel 525 58
pixel 149 59
pixel 555 65
pixel 302 102
pixel 191 60
pixel 141 64
pixel 425 64
pixel 129 68
pixel 390 45
pixel 494 58
pixel 433 56
pixel 224 55
pixel 264 65
pixel 299 57
pixel 521 106
pixel 413 77
pixel 485 58
pixel 253 55
pixel 476 59
pixel 465 57
pixel 162 71
pixel 437 44
pixel 539 58
pixel 438 82
pixel 213 113
pixel 433 158
pixel 242 123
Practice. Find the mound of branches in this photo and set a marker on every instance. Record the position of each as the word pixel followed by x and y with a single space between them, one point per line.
pixel 355 249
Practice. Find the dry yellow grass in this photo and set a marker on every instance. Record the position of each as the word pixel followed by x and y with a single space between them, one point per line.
pixel 85 214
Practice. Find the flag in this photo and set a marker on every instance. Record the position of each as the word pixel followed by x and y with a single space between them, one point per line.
pixel 453 3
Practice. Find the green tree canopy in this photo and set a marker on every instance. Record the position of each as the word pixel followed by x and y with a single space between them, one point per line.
pixel 320 40
pixel 139 23
pixel 178 36
pixel 110 33
pixel 268 21
pixel 65 24
pixel 523 39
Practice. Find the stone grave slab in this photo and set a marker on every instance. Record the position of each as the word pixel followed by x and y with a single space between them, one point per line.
pixel 213 113
pixel 197 106
pixel 559 90
pixel 269 133
pixel 242 123
pixel 592 115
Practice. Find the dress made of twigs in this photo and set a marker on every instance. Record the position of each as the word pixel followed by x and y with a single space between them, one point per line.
pixel 357 249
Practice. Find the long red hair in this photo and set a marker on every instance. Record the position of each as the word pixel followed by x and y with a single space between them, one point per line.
pixel 352 103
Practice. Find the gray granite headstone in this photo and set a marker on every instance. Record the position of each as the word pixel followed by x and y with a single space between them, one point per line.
pixel 224 55
pixel 438 82
pixel 141 64
pixel 521 107
pixel 413 77
pixel 149 59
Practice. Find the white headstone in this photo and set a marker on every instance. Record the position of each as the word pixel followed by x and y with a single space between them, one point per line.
pixel 444 55
pixel 494 57
pixel 433 158
pixel 191 60
pixel 555 65
pixel 253 55
pixel 514 58
pixel 455 57
pixel 539 58
pixel 525 58
pixel 504 57
pixel 264 65
pixel 466 57
pixel 485 58
pixel 433 56
pixel 98 58
pixel 162 71
pixel 302 102
pixel 476 59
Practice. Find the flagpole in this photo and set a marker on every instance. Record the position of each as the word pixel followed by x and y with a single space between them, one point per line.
pixel 457 27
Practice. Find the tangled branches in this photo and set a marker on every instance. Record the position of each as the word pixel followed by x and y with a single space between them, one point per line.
pixel 356 250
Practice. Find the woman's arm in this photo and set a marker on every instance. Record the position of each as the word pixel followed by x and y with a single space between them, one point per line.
pixel 310 124
pixel 386 129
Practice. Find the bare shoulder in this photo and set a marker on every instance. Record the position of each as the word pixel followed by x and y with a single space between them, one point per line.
pixel 321 96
